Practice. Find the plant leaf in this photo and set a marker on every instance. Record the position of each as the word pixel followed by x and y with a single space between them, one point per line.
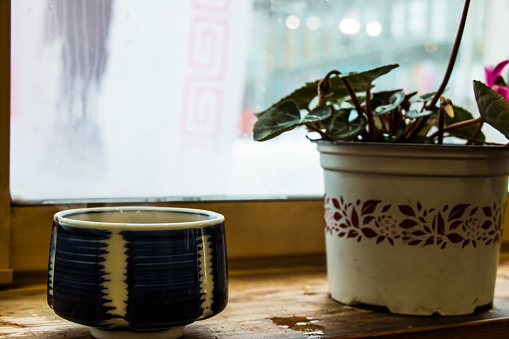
pixel 318 114
pixel 423 97
pixel 394 101
pixel 414 114
pixel 284 117
pixel 493 107
pixel 276 120
pixel 305 94
pixel 369 76
pixel 461 114
pixel 338 126
pixel 285 114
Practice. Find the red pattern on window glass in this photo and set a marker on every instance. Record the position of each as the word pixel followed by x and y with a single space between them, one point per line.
pixel 204 88
pixel 212 5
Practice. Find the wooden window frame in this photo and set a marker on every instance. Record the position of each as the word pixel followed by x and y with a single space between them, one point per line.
pixel 5 65
pixel 259 232
pixel 256 229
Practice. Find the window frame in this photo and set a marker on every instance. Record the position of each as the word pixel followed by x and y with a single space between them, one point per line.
pixel 256 229
pixel 5 235
pixel 260 233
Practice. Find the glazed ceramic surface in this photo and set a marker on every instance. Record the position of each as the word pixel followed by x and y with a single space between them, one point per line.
pixel 142 270
pixel 414 228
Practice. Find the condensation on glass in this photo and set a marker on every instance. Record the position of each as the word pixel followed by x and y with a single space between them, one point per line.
pixel 127 98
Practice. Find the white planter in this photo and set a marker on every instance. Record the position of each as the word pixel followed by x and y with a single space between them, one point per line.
pixel 415 228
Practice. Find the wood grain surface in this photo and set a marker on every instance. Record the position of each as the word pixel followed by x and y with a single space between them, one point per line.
pixel 291 303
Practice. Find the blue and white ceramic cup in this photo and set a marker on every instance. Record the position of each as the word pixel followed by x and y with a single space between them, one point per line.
pixel 130 270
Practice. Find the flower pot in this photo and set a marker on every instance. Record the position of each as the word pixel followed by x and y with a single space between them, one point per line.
pixel 414 228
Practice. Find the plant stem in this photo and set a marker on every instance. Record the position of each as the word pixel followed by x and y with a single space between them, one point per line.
pixel 459 125
pixel 441 120
pixel 373 131
pixel 466 123
pixel 324 87
pixel 316 129
pixel 452 58
pixel 416 128
pixel 476 132
pixel 484 142
pixel 352 94
pixel 430 126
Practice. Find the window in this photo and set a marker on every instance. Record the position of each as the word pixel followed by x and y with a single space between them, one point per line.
pixel 115 99
pixel 279 45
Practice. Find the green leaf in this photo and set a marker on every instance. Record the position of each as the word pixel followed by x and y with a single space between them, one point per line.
pixel 414 114
pixel 369 76
pixel 285 114
pixel 394 101
pixel 347 101
pixel 461 114
pixel 284 117
pixel 279 118
pixel 394 136
pixel 424 97
pixel 382 97
pixel 338 91
pixel 338 126
pixel 305 94
pixel 318 114
pixel 493 107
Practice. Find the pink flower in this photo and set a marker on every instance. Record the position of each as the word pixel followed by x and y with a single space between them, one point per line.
pixel 494 81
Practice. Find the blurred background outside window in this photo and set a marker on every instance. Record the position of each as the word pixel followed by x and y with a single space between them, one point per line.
pixel 133 99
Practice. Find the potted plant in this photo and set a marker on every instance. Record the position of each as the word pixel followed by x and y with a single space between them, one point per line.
pixel 413 222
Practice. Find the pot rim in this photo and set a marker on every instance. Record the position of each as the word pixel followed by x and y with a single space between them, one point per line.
pixel 445 147
pixel 407 150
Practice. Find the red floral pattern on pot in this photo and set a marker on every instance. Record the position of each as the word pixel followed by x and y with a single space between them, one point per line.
pixel 415 225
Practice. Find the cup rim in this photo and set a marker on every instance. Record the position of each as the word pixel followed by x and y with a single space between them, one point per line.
pixel 63 217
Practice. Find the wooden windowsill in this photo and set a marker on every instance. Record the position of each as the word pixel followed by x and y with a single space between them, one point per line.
pixel 291 303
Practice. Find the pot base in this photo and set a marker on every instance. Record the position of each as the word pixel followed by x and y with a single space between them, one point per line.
pixel 172 333
pixel 417 310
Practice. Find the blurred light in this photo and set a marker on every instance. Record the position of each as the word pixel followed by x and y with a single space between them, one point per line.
pixel 313 23
pixel 349 26
pixel 481 46
pixel 292 22
pixel 431 46
pixel 374 28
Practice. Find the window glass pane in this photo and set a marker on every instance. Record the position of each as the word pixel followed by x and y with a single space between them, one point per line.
pixel 128 98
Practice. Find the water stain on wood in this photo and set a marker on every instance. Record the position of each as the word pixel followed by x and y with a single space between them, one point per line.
pixel 307 325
